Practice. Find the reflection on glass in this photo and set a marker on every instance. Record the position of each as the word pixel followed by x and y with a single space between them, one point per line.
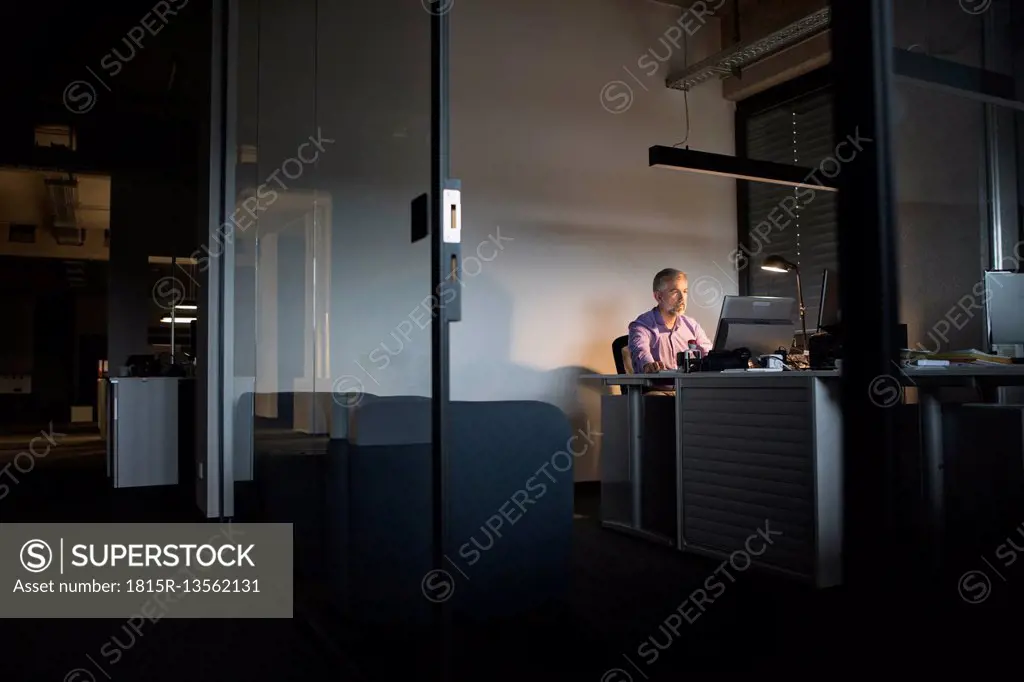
pixel 942 216
pixel 324 281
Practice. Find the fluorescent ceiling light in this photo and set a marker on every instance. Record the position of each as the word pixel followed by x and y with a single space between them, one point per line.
pixel 733 167
pixel 186 306
pixel 733 59
pixel 179 320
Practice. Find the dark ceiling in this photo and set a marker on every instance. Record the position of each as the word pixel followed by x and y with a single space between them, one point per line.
pixel 46 46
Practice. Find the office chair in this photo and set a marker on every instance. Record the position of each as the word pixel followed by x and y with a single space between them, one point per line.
pixel 621 355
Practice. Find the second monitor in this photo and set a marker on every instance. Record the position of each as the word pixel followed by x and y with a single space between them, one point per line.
pixel 828 302
pixel 761 324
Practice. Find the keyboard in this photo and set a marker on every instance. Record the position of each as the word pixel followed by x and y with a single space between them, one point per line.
pixel 752 369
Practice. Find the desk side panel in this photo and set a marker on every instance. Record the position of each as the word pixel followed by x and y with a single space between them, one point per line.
pixel 146 450
pixel 828 475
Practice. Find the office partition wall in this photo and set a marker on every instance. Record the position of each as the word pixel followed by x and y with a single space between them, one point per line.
pixel 327 303
pixel 955 165
pixel 955 102
pixel 331 348
pixel 923 211
pixel 214 479
pixel 861 52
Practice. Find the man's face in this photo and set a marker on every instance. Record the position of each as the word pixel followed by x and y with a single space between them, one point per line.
pixel 672 297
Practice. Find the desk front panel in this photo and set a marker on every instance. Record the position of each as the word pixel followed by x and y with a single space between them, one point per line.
pixel 748 467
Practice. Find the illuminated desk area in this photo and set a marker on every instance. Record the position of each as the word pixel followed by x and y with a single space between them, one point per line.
pixel 757 446
pixel 749 448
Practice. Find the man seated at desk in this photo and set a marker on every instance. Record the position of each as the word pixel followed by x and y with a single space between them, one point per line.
pixel 658 334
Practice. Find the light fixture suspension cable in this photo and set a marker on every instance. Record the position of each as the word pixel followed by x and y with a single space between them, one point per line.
pixel 686 91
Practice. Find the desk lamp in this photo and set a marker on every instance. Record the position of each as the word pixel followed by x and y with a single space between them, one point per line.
pixel 780 264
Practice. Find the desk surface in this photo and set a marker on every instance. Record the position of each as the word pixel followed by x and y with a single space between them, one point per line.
pixel 622 379
pixel 965 371
pixel 910 372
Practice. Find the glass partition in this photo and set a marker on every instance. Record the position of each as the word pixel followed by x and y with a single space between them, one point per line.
pixel 955 114
pixel 942 215
pixel 561 225
pixel 554 108
pixel 174 282
pixel 332 305
pixel 954 161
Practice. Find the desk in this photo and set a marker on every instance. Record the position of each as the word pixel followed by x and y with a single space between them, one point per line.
pixel 771 443
pixel 762 448
pixel 751 448
pixel 928 381
pixel 143 431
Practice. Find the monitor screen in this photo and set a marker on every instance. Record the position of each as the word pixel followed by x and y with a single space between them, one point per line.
pixel 1004 304
pixel 756 322
pixel 760 309
pixel 828 303
pixel 759 339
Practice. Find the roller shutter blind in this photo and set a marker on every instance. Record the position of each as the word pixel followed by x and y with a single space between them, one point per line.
pixel 799 132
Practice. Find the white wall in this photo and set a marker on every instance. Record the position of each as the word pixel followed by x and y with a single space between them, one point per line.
pixel 569 182
pixel 564 182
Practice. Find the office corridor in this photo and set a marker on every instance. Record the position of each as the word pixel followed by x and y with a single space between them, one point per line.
pixel 76 489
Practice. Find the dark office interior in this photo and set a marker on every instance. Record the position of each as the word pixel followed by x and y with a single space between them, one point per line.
pixel 610 340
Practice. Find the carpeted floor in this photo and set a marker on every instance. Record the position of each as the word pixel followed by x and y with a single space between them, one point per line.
pixel 624 593
pixel 47 444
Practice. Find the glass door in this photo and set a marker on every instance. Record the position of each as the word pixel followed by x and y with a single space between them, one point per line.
pixel 332 304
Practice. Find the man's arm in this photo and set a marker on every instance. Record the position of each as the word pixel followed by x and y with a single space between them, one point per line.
pixel 640 347
pixel 703 342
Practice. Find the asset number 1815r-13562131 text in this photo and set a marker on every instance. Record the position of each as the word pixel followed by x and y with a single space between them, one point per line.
pixel 194 585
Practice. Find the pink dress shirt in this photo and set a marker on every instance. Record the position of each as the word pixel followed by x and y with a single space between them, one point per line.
pixel 651 340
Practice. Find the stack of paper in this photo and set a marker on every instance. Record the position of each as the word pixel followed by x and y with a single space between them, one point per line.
pixel 971 356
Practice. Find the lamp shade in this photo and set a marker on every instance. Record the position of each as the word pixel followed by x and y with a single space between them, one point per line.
pixel 778 264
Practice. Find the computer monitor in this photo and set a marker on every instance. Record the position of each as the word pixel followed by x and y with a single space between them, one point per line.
pixel 759 309
pixel 1004 296
pixel 143 365
pixel 828 302
pixel 761 324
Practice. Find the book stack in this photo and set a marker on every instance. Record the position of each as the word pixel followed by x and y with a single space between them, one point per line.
pixel 971 356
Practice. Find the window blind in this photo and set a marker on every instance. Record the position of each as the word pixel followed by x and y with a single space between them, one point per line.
pixel 798 132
